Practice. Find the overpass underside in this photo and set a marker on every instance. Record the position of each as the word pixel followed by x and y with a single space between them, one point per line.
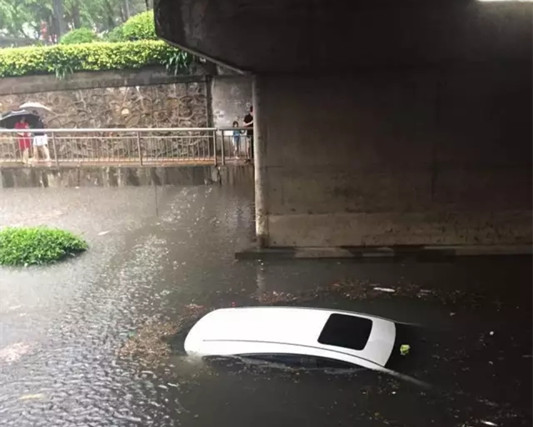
pixel 379 123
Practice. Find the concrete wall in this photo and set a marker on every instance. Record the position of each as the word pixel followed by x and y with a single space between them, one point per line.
pixel 231 99
pixel 90 80
pixel 120 176
pixel 425 155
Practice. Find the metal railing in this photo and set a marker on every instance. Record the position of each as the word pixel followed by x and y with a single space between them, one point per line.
pixel 141 146
pixel 237 143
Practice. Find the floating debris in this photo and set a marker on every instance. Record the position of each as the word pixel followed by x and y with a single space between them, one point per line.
pixel 150 343
pixel 194 306
pixel 488 423
pixel 275 297
pixel 32 396
pixel 389 290
pixel 404 349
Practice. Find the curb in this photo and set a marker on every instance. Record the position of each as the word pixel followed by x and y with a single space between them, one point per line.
pixel 365 253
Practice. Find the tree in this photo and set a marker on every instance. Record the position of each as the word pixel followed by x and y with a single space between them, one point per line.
pixel 59 18
pixel 73 13
pixel 14 19
pixel 25 18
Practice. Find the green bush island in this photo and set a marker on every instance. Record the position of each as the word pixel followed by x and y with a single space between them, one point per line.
pixel 79 35
pixel 97 56
pixel 37 245
pixel 138 27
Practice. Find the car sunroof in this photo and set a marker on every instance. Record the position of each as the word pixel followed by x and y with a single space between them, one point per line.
pixel 346 331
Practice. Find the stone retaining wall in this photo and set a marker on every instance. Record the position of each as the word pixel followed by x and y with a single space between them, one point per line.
pixel 148 97
pixel 178 103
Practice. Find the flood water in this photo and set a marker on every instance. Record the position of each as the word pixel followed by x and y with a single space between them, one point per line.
pixel 95 341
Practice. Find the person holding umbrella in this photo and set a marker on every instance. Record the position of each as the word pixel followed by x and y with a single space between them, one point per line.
pixel 28 117
pixel 40 141
pixel 21 120
pixel 23 139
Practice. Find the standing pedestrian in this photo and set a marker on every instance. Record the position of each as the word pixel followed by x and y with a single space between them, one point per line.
pixel 236 139
pixel 40 141
pixel 249 124
pixel 23 140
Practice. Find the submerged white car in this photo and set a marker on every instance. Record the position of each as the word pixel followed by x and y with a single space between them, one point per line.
pixel 277 332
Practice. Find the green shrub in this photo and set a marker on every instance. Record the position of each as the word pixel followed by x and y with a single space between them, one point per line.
pixel 177 61
pixel 115 35
pixel 80 35
pixel 138 27
pixel 97 56
pixel 37 245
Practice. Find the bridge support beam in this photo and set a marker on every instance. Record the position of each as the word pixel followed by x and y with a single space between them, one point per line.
pixel 379 123
pixel 261 178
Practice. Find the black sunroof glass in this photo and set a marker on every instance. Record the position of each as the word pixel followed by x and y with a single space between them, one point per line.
pixel 346 331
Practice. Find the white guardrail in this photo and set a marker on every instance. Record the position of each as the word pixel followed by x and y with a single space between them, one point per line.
pixel 142 146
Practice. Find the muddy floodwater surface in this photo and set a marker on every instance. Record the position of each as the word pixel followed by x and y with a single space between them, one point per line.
pixel 97 340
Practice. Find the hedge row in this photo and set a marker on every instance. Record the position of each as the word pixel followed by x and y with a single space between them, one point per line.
pixel 65 59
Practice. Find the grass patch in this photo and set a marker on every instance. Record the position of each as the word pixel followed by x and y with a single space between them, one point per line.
pixel 37 245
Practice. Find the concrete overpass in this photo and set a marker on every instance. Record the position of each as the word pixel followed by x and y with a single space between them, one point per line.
pixel 381 122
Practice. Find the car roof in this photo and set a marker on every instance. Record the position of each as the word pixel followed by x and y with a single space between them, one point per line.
pixel 283 329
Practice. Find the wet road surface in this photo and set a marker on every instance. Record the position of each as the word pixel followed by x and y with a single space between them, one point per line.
pixel 95 341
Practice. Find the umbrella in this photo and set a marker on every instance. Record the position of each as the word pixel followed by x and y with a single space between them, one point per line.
pixel 35 106
pixel 8 120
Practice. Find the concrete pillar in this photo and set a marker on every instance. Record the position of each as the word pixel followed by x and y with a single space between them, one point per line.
pixel 261 212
